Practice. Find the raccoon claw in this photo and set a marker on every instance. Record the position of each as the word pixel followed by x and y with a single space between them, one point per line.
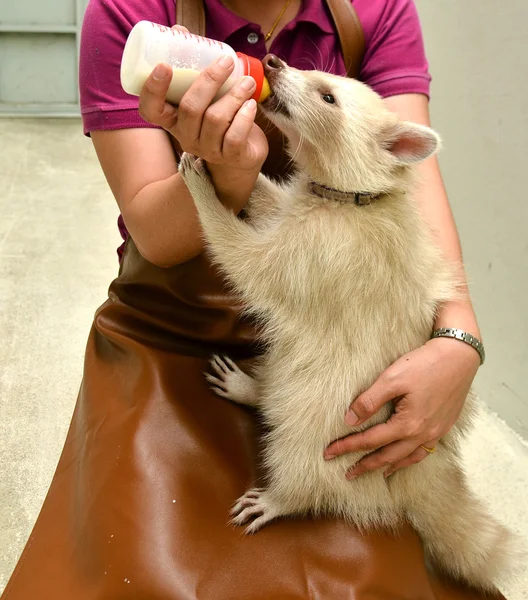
pixel 189 163
pixel 228 381
pixel 224 365
pixel 217 385
pixel 254 506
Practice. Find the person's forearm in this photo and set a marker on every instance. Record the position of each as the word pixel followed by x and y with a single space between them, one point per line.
pixel 435 208
pixel 162 217
pixel 233 187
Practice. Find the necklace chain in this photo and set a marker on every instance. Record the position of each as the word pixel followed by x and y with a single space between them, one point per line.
pixel 277 20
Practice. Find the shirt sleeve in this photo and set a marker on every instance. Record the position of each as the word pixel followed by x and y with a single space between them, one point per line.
pixel 395 60
pixel 106 26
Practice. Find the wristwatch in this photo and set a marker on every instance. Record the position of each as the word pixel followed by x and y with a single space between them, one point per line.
pixel 463 336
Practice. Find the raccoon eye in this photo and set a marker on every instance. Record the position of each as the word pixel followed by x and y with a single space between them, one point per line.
pixel 328 98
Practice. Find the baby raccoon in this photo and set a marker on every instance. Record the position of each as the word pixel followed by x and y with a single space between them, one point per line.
pixel 343 275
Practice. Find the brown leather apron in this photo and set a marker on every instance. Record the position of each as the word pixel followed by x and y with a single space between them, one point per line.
pixel 138 506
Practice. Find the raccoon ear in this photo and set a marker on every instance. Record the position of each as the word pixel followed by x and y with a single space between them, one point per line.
pixel 411 143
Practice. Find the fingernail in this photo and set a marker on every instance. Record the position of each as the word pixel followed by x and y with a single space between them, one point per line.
pixel 351 418
pixel 351 475
pixel 159 73
pixel 328 455
pixel 249 106
pixel 226 61
pixel 247 84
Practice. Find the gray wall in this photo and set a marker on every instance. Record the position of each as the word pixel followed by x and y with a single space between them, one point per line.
pixel 39 43
pixel 479 61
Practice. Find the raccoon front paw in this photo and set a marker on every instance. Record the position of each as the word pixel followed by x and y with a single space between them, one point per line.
pixel 255 506
pixel 197 180
pixel 230 382
pixel 189 164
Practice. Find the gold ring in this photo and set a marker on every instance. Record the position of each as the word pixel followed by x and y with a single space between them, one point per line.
pixel 429 450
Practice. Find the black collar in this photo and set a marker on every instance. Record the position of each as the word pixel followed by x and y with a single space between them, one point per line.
pixel 359 198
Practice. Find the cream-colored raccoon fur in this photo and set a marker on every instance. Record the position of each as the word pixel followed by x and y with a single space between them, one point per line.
pixel 342 291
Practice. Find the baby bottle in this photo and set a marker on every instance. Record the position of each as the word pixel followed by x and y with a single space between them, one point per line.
pixel 150 44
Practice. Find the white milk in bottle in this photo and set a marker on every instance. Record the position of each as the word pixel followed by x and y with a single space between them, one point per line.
pixel 150 44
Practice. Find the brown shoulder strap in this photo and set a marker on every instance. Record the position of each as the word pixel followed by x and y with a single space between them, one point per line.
pixel 350 34
pixel 191 14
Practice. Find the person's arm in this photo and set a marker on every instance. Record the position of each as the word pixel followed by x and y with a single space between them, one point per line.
pixel 138 157
pixel 141 168
pixel 435 208
pixel 428 385
pixel 142 171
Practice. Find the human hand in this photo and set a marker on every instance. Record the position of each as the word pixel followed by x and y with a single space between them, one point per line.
pixel 428 387
pixel 222 133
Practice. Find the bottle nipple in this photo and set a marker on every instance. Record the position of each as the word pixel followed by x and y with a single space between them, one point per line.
pixel 265 92
pixel 253 66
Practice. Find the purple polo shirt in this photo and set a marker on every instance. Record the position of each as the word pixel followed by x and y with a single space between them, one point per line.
pixel 394 61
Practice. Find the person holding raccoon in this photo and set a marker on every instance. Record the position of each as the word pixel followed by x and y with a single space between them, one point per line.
pixel 154 459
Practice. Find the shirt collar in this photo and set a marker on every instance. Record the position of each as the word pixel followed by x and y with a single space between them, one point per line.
pixel 317 13
pixel 223 23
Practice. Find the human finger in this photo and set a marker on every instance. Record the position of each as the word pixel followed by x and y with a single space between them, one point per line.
pixel 197 99
pixel 367 404
pixel 366 441
pixel 220 115
pixel 383 458
pixel 237 136
pixel 415 457
pixel 180 28
pixel 152 104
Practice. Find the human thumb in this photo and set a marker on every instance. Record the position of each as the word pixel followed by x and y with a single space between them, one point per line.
pixel 371 400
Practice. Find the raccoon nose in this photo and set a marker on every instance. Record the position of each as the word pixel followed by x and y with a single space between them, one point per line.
pixel 272 64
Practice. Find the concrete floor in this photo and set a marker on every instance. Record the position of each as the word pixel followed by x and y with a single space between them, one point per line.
pixel 57 256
